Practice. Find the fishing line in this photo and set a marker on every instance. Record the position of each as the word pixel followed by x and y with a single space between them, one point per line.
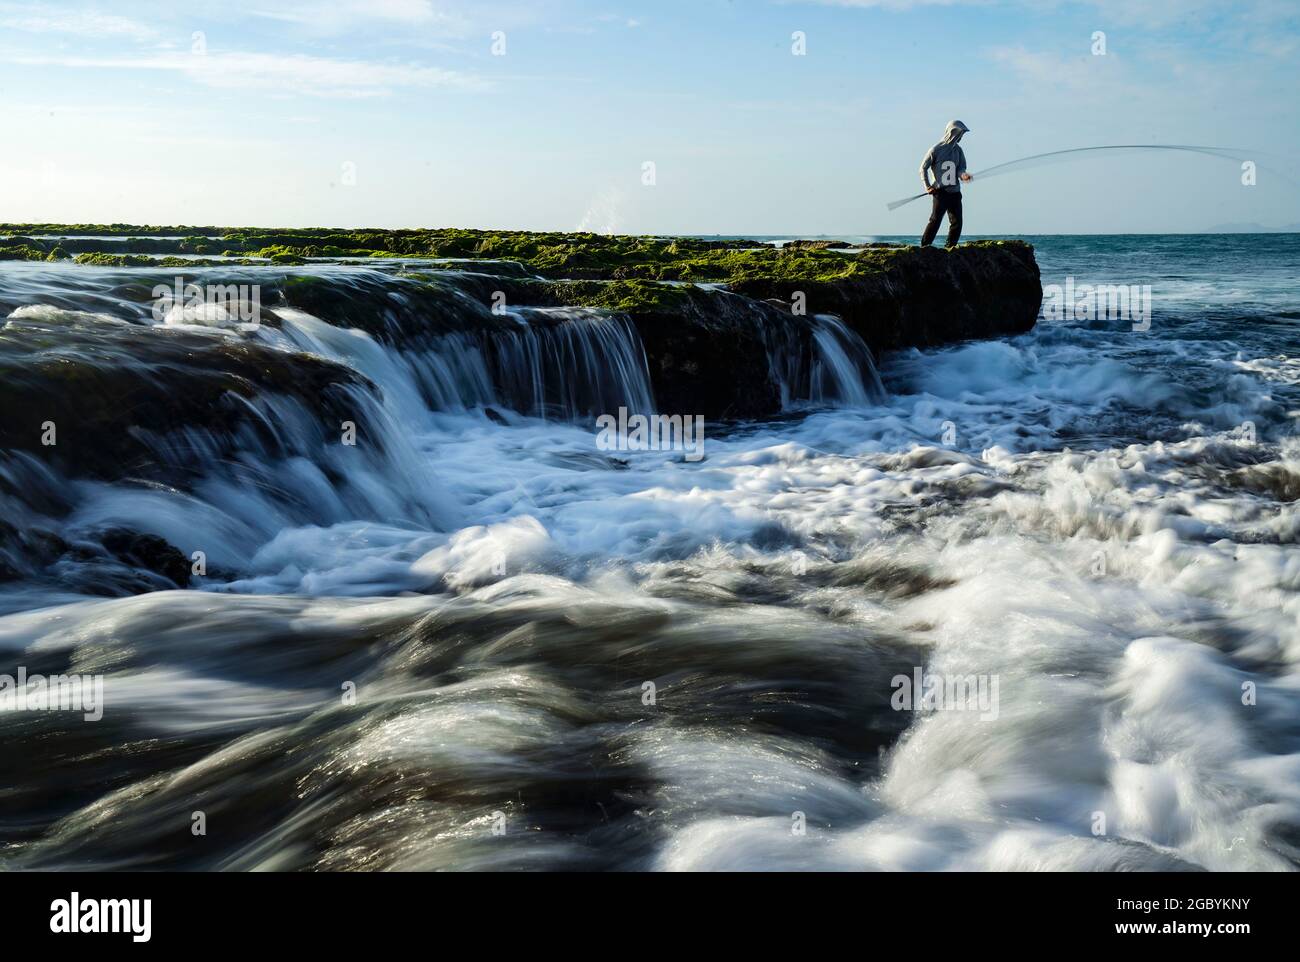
pixel 1052 156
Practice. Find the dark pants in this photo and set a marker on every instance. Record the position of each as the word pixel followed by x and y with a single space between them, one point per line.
pixel 944 202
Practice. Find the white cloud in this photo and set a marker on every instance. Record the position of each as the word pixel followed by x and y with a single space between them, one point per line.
pixel 1039 69
pixel 338 16
pixel 274 73
pixel 37 18
pixel 1153 14
pixel 406 11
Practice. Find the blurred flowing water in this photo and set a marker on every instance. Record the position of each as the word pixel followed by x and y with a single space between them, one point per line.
pixel 477 640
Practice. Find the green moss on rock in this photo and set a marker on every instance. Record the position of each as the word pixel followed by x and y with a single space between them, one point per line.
pixel 114 260
pixel 627 296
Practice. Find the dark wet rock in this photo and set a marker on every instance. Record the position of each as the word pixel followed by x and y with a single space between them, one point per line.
pixel 404 310
pixel 149 552
pixel 113 562
pixel 710 357
pixel 929 298
pixel 24 551
pixel 493 268
pixel 709 349
pixel 108 391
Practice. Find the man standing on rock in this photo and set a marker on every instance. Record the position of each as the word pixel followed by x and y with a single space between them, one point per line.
pixel 948 162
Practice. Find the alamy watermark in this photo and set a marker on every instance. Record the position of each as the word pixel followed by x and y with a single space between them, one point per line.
pixel 191 303
pixel 1086 302
pixel 24 692
pixel 652 432
pixel 922 691
pixel 76 915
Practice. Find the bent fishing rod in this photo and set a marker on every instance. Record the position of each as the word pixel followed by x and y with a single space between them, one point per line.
pixel 1227 153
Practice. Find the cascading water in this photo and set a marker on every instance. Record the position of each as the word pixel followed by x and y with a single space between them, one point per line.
pixel 560 363
pixel 570 363
pixel 816 361
pixel 843 370
pixel 232 468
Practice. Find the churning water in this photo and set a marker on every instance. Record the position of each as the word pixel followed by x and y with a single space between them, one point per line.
pixel 475 640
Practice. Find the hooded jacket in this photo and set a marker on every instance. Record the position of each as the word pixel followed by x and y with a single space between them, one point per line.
pixel 946 159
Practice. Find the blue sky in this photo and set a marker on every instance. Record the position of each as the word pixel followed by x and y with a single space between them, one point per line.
pixel 397 113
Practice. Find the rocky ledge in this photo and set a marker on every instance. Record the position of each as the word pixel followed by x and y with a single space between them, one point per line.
pixel 711 313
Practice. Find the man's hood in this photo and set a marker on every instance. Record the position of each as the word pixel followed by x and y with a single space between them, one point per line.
pixel 952 133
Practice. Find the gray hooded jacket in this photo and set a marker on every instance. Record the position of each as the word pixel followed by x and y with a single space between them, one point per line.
pixel 946 159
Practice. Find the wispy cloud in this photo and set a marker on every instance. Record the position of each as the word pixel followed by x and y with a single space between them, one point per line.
pixel 1149 14
pixel 339 16
pixel 1044 70
pixel 39 18
pixel 299 73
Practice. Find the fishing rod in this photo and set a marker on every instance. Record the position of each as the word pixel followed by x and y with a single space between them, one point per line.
pixel 1227 153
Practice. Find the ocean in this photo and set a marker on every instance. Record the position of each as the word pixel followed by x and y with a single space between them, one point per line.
pixel 1021 603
